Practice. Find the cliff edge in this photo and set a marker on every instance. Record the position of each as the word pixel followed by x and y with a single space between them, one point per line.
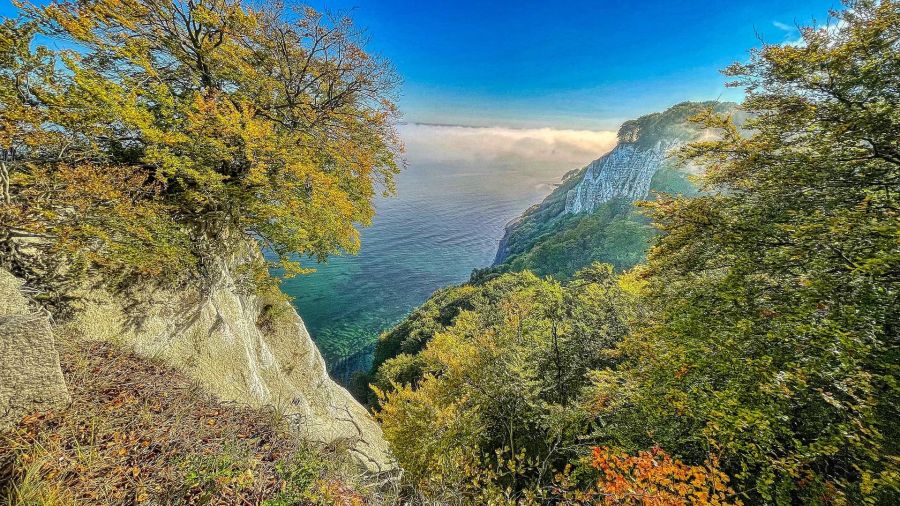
pixel 639 165
pixel 240 346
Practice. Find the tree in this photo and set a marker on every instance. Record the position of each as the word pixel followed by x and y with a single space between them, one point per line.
pixel 167 126
pixel 651 478
pixel 772 335
pixel 492 405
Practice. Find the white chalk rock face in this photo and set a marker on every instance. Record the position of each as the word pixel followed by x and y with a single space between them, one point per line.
pixel 624 172
pixel 240 347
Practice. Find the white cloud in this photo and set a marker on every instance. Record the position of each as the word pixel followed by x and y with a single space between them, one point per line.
pixel 794 37
pixel 499 146
pixel 784 26
pixel 509 168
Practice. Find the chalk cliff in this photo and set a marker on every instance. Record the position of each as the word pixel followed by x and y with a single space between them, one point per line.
pixel 624 172
pixel 240 346
pixel 640 164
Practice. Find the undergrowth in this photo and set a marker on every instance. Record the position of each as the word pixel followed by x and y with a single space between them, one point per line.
pixel 138 432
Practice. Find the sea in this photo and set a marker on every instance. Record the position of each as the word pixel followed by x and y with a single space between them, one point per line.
pixel 459 188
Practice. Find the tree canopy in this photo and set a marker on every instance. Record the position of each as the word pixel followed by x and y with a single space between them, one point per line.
pixel 161 125
pixel 492 406
pixel 772 334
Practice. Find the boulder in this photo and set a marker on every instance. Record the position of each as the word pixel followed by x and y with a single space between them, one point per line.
pixel 30 376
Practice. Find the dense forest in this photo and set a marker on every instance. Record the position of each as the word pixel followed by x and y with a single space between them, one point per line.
pixel 751 359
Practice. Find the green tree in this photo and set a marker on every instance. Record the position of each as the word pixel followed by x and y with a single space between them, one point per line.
pixel 492 406
pixel 772 334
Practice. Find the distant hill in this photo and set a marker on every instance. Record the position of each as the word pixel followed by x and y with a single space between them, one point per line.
pixel 591 215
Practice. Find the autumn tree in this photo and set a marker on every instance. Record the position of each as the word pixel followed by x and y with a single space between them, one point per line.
pixel 162 128
pixel 650 478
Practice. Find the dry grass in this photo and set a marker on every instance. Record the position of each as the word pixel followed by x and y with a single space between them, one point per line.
pixel 138 432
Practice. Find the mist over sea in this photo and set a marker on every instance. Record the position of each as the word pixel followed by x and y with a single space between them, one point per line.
pixel 460 187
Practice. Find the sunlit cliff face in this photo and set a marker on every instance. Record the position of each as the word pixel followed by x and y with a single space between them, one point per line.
pixel 625 172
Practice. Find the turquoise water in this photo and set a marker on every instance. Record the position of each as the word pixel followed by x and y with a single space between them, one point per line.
pixel 445 220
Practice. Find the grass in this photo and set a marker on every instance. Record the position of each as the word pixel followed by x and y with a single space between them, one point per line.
pixel 138 432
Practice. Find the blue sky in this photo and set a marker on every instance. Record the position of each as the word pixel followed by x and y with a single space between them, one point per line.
pixel 564 64
pixel 567 64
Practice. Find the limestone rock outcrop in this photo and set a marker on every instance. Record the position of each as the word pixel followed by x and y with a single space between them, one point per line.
pixel 640 164
pixel 30 376
pixel 624 172
pixel 240 347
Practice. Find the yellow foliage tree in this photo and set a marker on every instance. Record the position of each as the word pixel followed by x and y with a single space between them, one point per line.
pixel 166 125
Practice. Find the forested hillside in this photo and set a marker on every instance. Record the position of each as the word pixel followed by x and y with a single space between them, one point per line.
pixel 563 233
pixel 731 338
pixel 751 359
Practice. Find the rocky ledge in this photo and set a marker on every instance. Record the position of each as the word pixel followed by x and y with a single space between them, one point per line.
pixel 238 345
